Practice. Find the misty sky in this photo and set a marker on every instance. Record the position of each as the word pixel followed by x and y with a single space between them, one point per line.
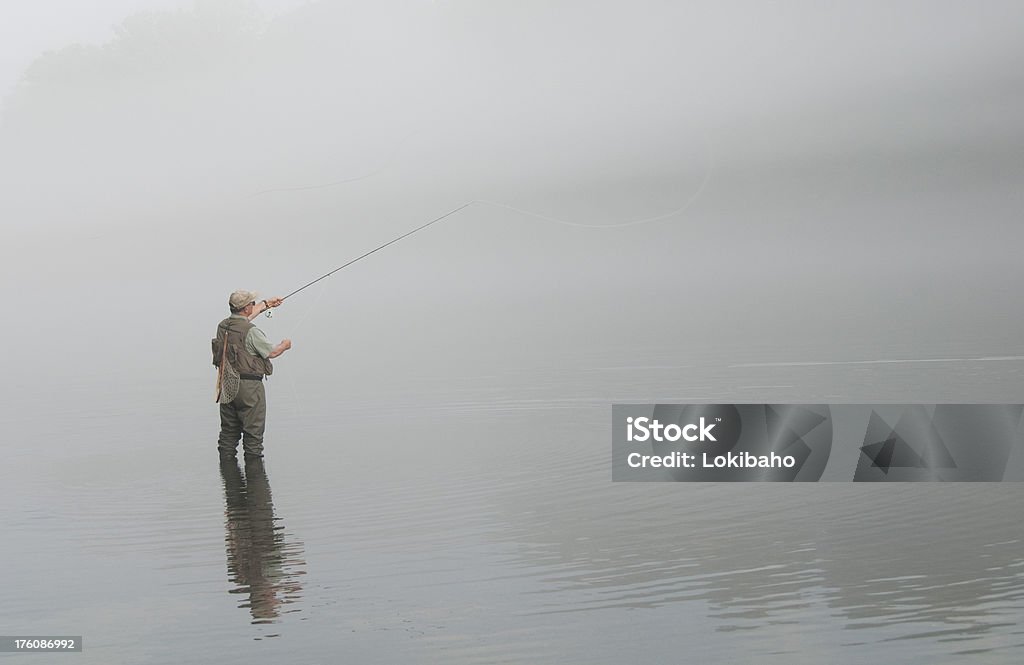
pixel 30 28
pixel 574 93
pixel 852 128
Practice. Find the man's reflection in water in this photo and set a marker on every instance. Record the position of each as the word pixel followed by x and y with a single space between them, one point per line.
pixel 261 561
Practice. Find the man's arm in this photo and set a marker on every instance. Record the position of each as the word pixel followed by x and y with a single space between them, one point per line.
pixel 263 306
pixel 257 344
pixel 280 348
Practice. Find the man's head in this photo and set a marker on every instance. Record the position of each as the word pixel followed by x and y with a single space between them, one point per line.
pixel 239 300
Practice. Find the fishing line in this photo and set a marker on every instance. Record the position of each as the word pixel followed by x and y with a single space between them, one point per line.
pixel 636 222
pixel 310 309
pixel 709 161
pixel 303 188
pixel 297 400
pixel 529 213
pixel 377 249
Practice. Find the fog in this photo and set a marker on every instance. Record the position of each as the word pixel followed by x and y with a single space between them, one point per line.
pixel 658 179
pixel 667 201
pixel 843 144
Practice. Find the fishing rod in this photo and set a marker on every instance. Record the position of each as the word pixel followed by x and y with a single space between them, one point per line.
pixel 360 258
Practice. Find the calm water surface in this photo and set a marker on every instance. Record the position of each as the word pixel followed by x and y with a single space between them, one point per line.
pixel 473 520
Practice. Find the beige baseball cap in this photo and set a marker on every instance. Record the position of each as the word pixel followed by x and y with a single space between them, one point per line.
pixel 239 299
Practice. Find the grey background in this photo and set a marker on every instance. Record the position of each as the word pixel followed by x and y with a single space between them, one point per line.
pixel 830 198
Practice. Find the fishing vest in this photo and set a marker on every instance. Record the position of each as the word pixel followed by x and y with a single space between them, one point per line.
pixel 233 330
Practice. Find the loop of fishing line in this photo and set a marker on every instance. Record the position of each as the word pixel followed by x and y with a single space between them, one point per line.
pixel 636 222
pixel 555 220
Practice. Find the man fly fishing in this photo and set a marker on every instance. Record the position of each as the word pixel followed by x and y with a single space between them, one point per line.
pixel 242 356
pixel 242 353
